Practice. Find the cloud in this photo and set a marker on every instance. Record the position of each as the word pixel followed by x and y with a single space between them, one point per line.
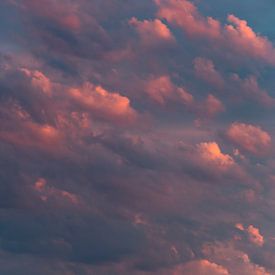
pixel 31 135
pixel 103 104
pixel 211 152
pixel 162 89
pixel 251 90
pixel 202 267
pixel 235 261
pixel 253 232
pixel 236 35
pixel 46 192
pixel 249 138
pixel 152 32
pixel 211 106
pixel 185 15
pixel 205 69
pixel 65 13
pixel 117 150
pixel 39 80
pixel 255 236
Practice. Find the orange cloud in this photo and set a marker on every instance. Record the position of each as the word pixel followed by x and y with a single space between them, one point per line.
pixel 255 236
pixel 249 138
pixel 211 152
pixel 103 104
pixel 236 35
pixel 253 232
pixel 32 135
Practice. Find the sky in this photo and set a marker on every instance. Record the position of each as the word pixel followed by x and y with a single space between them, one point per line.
pixel 137 137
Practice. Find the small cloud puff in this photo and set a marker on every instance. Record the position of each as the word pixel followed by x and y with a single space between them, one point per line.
pixel 253 232
pixel 211 152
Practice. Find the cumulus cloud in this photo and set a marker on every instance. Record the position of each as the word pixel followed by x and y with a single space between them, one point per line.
pixel 205 69
pixel 251 90
pixel 152 32
pixel 39 80
pixel 162 89
pixel 103 104
pixel 249 138
pixel 64 13
pixel 236 35
pixel 212 106
pixel 32 135
pixel 234 260
pixel 255 235
pixel 211 152
pixel 112 156
pixel 202 267
pixel 185 15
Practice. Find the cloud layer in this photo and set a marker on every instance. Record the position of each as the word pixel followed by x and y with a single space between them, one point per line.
pixel 136 138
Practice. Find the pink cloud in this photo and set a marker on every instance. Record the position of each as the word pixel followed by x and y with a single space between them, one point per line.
pixel 249 138
pixel 212 106
pixel 202 267
pixel 252 91
pixel 102 103
pixel 33 135
pixel 39 80
pixel 152 32
pixel 162 89
pixel 205 69
pixel 235 261
pixel 242 37
pixel 63 13
pixel 236 35
pixel 184 14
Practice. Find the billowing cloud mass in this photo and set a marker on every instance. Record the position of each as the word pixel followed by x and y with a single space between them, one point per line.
pixel 136 137
pixel 237 35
